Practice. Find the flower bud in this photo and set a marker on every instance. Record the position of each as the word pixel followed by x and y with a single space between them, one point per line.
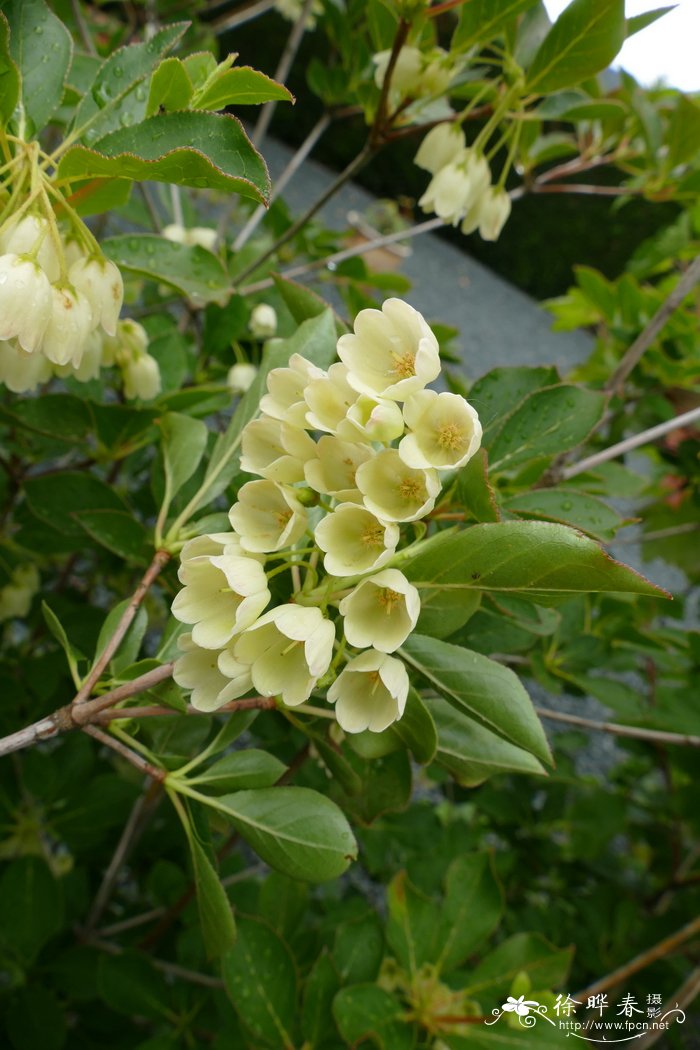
pixel 263 321
pixel 406 73
pixel 141 377
pixel 200 236
pixel 25 301
pixel 370 693
pixel 240 377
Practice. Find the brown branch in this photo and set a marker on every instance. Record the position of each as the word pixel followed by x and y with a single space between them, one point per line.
pixel 281 73
pixel 643 341
pixel 184 974
pixel 640 962
pixel 685 995
pixel 589 189
pixel 159 560
pixel 653 736
pixel 446 5
pixel 379 126
pixel 136 760
pixel 261 703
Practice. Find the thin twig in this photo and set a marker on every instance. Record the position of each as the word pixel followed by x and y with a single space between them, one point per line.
pixel 84 32
pixel 136 760
pixel 239 18
pixel 633 732
pixel 130 924
pixel 143 808
pixel 282 71
pixel 160 558
pixel 643 438
pixel 155 218
pixel 379 125
pixel 252 703
pixel 685 995
pixel 659 951
pixel 643 341
pixel 349 253
pixel 191 976
pixel 290 170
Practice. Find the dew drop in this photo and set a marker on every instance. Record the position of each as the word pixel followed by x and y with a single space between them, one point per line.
pixel 118 71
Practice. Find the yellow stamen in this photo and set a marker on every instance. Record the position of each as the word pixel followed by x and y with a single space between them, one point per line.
pixel 404 365
pixel 450 437
pixel 373 536
pixel 388 599
pixel 410 489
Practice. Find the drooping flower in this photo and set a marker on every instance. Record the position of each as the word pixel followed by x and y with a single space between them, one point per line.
pixel 221 596
pixel 25 301
pixel 445 431
pixel 441 146
pixel 21 371
pixel 141 377
pixel 275 450
pixel 334 468
pixel 406 72
pixel 369 693
pixel 494 213
pixel 267 516
pixel 394 491
pixel 263 321
pixel 70 323
pixel 288 649
pixel 454 187
pixel 354 540
pixel 197 669
pixel 30 235
pixel 100 281
pixel 381 611
pixel 392 353
pixel 240 377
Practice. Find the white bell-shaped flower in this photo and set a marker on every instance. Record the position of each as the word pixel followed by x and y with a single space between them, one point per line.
pixel 101 283
pixel 392 353
pixel 494 213
pixel 88 366
pixel 130 340
pixel 221 596
pixel 329 397
pixel 263 321
pixel 267 516
pixel 442 145
pixel 334 467
pixel 70 323
pixel 25 301
pixel 394 491
pixel 406 72
pixel 354 540
pixel 288 649
pixel 20 371
pixel 141 376
pixel 453 188
pixel 20 236
pixel 285 397
pixel 438 72
pixel 197 669
pixel 275 450
pixel 241 377
pixel 381 611
pixel 445 431
pixel 372 419
pixel 370 692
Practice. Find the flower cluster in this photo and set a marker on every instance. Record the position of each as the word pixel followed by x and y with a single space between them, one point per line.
pixel 344 459
pixel 417 74
pixel 460 190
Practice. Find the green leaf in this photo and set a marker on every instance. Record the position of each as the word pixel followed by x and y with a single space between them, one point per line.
pixel 585 512
pixel 9 74
pixel 684 131
pixel 470 911
pixel 639 22
pixel 203 150
pixel 544 424
pixel 530 953
pixel 184 441
pixel 295 830
pixel 320 987
pixel 59 416
pixel 443 610
pixel 316 340
pixel 416 729
pixel 130 644
pixel 59 632
pixel 170 88
pixel 118 531
pixel 480 688
pixel 31 907
pixel 365 1011
pixel 496 394
pixel 33 1017
pixel 481 20
pixel 303 303
pixel 215 915
pixel 193 270
pixel 242 769
pixel 358 948
pixel 412 924
pixel 283 903
pixel 584 40
pixel 129 985
pixel 473 489
pixel 471 753
pixel 241 86
pixel 56 499
pixel 535 559
pixel 42 48
pixel 118 96
pixel 261 981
